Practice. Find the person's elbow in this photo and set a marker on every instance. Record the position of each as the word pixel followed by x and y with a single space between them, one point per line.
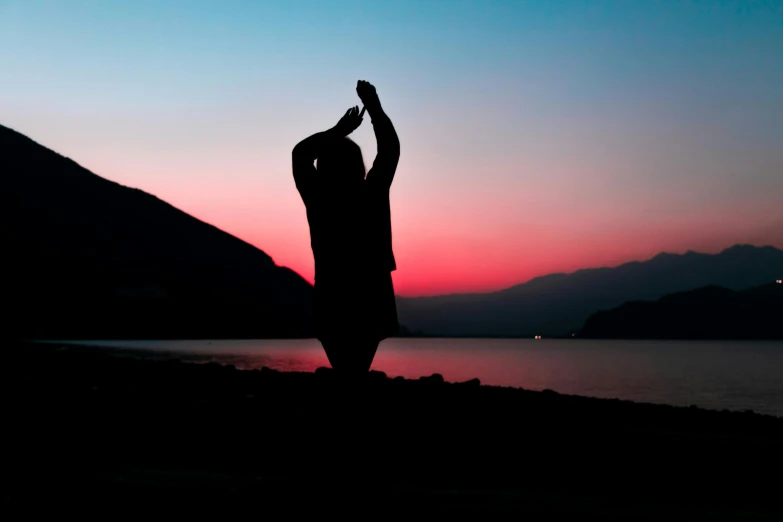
pixel 389 147
pixel 297 159
pixel 392 152
pixel 296 152
pixel 394 144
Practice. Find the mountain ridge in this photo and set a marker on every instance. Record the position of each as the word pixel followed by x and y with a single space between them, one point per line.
pixel 553 275
pixel 94 258
pixel 8 133
pixel 533 307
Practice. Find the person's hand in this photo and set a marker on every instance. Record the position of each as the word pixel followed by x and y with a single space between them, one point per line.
pixel 350 121
pixel 367 94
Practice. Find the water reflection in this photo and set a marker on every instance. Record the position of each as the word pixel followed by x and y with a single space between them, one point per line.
pixel 733 375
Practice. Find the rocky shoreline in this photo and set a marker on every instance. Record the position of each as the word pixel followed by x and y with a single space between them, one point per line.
pixel 93 430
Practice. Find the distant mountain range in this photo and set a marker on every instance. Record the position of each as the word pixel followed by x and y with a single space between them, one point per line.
pixel 711 312
pixel 86 257
pixel 559 304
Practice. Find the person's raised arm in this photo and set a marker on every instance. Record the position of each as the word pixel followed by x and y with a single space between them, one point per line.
pixel 306 151
pixel 388 156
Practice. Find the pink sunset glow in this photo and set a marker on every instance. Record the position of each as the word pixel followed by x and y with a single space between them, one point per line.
pixel 534 140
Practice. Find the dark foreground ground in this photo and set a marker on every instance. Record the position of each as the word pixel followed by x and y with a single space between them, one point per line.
pixel 90 434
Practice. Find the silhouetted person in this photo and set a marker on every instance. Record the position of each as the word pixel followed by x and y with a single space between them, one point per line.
pixel 350 233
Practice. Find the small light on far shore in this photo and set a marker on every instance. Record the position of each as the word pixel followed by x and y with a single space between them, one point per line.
pixel 537 337
pixel 779 281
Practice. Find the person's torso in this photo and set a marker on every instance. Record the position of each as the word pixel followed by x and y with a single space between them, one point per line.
pixel 351 234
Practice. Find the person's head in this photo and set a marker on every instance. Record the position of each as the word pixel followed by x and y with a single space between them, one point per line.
pixel 342 163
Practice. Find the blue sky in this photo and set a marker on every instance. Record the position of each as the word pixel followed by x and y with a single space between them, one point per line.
pixel 537 136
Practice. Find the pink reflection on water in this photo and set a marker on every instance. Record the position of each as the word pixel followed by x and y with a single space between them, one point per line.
pixel 735 375
pixel 498 361
pixel 289 355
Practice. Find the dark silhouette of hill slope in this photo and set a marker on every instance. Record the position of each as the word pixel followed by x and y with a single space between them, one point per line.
pixel 711 312
pixel 557 304
pixel 88 258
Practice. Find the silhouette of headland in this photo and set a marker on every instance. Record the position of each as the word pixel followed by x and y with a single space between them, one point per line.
pixel 89 258
pixel 712 312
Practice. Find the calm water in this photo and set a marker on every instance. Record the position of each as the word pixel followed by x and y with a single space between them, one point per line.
pixel 736 375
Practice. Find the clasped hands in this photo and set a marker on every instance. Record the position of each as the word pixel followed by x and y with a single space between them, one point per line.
pixel 352 118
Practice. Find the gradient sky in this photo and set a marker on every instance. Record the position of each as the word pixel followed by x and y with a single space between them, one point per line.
pixel 537 136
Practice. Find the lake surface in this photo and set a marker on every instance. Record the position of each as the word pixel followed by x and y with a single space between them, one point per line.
pixel 735 375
